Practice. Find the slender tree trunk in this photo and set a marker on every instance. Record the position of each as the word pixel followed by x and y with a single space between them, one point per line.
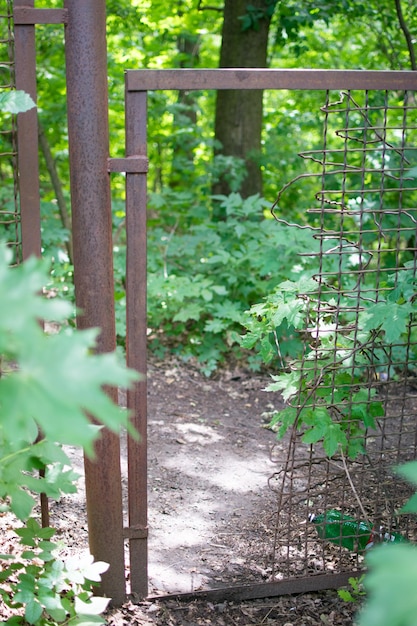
pixel 238 122
pixel 186 114
pixel 56 183
pixel 407 35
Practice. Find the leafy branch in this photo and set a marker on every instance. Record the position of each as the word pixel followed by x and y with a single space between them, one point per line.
pixel 53 385
pixel 41 588
pixel 328 389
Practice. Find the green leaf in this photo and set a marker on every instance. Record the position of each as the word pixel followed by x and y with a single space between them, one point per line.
pixel 215 326
pixel 334 438
pixel 345 595
pixel 364 409
pixel 282 420
pixel 287 383
pixel 58 615
pixel 192 311
pixel 33 611
pixel 390 317
pixel 71 389
pixel 15 101
pixel 355 446
pixel 21 502
pixel 391 585
pixel 94 606
pixel 410 506
pixel 408 471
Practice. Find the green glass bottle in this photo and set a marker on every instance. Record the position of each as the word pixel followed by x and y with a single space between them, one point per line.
pixel 355 535
pixel 343 530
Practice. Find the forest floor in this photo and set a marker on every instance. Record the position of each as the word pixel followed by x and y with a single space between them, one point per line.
pixel 211 511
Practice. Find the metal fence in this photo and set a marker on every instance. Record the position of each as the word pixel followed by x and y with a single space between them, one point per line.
pixel 9 204
pixel 355 396
pixel 353 403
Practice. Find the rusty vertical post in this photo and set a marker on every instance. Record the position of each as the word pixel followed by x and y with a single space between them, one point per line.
pixel 27 138
pixel 87 97
pixel 136 267
pixel 28 159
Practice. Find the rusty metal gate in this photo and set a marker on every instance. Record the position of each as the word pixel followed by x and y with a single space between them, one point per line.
pixel 307 480
pixel 90 190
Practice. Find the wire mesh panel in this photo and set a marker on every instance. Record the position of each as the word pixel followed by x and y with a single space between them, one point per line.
pixel 9 208
pixel 352 395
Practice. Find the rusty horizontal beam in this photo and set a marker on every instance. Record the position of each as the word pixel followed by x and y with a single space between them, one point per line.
pixel 136 532
pixel 30 16
pixel 136 164
pixel 265 590
pixel 189 79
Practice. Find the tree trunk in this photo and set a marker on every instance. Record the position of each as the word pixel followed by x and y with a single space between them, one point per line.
pixel 57 185
pixel 238 122
pixel 185 116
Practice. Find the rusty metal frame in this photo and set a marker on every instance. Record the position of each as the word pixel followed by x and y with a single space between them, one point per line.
pixel 138 82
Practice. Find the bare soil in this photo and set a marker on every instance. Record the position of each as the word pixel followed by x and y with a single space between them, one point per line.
pixel 211 511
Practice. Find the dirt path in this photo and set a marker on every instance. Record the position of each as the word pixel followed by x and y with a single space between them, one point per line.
pixel 209 464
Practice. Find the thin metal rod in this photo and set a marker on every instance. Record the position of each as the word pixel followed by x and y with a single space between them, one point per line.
pixel 87 94
pixel 231 78
pixel 27 138
pixel 136 268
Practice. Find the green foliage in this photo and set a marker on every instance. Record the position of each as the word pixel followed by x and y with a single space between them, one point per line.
pixel 391 585
pixel 324 384
pixel 203 275
pixel 392 577
pixel 43 376
pixel 356 591
pixel 42 589
pixel 51 390
pixel 253 14
pixel 409 473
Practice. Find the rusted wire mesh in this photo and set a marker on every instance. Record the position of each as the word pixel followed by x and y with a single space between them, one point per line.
pixel 351 416
pixel 9 207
